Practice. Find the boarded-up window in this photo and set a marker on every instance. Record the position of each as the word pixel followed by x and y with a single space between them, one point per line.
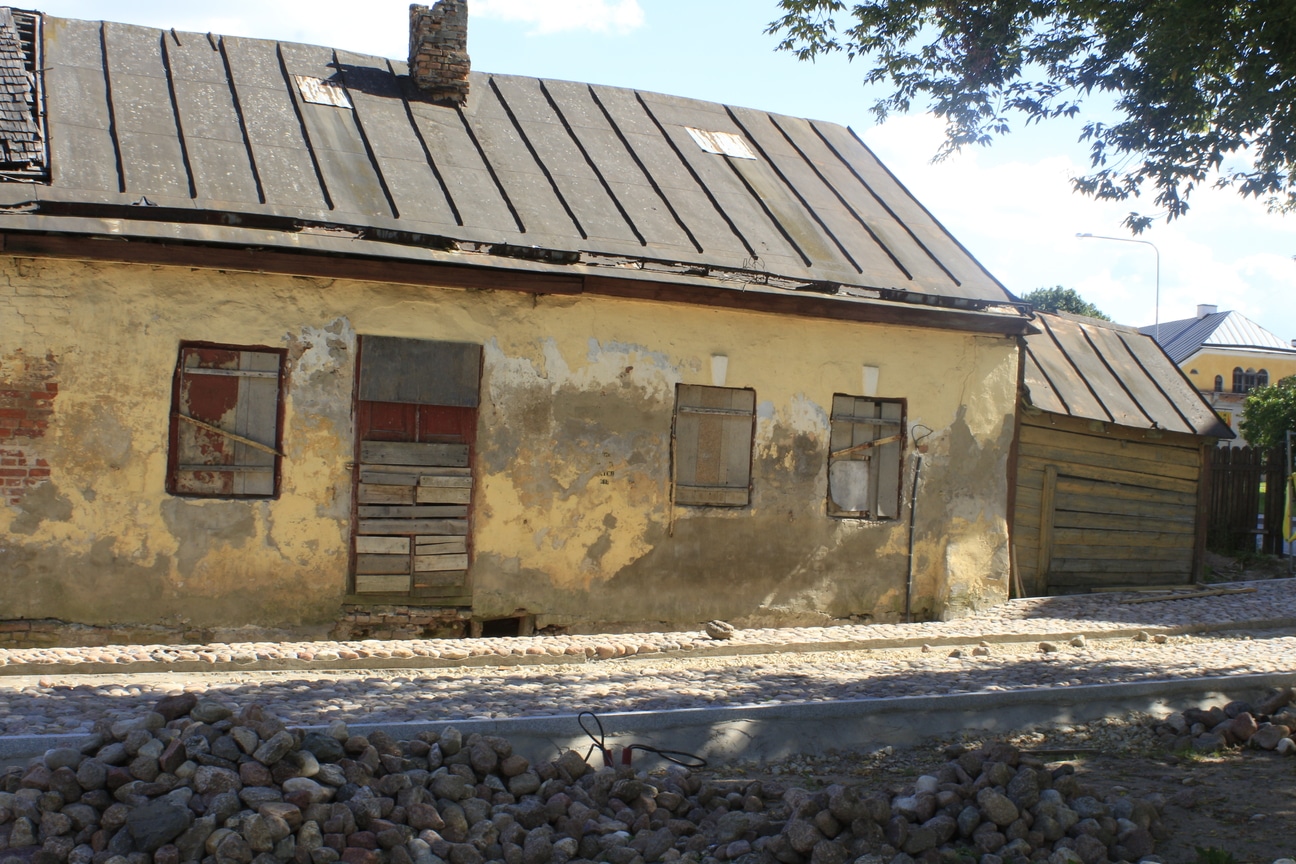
pixel 864 457
pixel 225 422
pixel 420 371
pixel 713 445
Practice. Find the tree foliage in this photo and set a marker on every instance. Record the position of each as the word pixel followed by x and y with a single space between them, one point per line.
pixel 1203 89
pixel 1059 299
pixel 1269 413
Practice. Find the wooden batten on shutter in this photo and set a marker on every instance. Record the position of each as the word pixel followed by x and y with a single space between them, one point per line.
pixel 866 449
pixel 713 445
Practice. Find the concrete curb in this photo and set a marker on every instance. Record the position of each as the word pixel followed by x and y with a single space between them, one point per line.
pixel 772 732
pixel 721 649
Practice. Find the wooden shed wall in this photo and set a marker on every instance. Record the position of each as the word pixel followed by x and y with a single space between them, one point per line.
pixel 1101 506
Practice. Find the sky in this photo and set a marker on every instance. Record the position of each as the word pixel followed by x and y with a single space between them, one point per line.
pixel 1010 204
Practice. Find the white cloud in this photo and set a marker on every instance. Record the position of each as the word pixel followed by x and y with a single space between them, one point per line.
pixel 1016 212
pixel 555 16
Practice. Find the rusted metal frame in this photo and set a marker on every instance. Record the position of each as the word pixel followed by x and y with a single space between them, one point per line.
pixel 867 445
pixel 232 436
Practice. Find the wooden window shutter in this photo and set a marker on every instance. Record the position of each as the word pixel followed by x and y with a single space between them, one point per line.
pixel 226 422
pixel 866 449
pixel 420 371
pixel 714 427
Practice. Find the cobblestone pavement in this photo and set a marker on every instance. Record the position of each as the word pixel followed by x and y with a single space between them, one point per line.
pixel 45 691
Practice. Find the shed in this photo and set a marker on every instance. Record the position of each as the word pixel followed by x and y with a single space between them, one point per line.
pixel 1112 461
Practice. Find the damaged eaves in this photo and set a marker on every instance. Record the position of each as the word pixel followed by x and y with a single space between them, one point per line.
pixel 146 211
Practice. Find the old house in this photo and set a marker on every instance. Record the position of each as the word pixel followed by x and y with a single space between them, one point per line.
pixel 1112 463
pixel 295 341
pixel 1225 355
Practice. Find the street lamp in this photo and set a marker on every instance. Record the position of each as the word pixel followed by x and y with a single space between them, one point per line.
pixel 1156 328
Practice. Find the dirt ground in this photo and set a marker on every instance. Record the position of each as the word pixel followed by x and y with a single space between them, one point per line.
pixel 1224 568
pixel 1242 802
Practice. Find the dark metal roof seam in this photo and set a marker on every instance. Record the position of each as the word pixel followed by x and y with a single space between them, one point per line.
pixel 652 181
pixel 544 169
pixel 219 45
pixel 175 110
pixel 1124 338
pixel 368 146
pixel 841 199
pixel 427 152
pixel 887 207
pixel 112 112
pixel 751 250
pixel 805 205
pixel 1052 385
pixel 1042 319
pixel 490 170
pixel 580 146
pixel 1120 381
pixel 769 214
pixel 301 124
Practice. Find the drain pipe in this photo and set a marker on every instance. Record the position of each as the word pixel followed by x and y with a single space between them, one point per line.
pixel 913 509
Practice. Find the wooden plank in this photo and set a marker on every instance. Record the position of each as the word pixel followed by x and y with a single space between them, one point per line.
pixel 1147 539
pixel 382 564
pixel 417 472
pixel 1068 519
pixel 1125 554
pixel 1081 486
pixel 1211 593
pixel 403 453
pixel 1046 520
pixel 413 526
pixel 441 581
pixel 445 482
pixel 711 496
pixel 386 478
pixel 382 545
pixel 441 544
pixel 433 512
pixel 1120 507
pixel 439 495
pixel 420 372
pixel 1131 478
pixel 382 494
pixel 1068 456
pixel 452 595
pixel 376 584
pixel 429 563
pixel 1084 565
pixel 1083 426
pixel 1148 451
pixel 1114 580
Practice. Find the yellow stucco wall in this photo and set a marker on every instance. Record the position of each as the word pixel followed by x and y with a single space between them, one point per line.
pixel 1203 366
pixel 572 520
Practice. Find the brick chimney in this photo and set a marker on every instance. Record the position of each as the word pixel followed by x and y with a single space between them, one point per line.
pixel 438 50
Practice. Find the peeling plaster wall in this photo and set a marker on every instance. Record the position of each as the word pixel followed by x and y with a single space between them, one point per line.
pixel 572 519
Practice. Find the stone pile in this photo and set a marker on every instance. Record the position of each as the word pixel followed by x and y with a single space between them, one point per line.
pixel 194 782
pixel 1267 725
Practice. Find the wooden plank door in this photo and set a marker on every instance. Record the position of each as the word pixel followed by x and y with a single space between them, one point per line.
pixel 414 487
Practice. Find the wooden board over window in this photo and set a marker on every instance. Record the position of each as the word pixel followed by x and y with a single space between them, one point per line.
pixel 865 451
pixel 420 371
pixel 714 427
pixel 225 422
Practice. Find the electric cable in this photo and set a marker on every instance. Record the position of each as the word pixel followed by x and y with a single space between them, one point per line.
pixel 599 738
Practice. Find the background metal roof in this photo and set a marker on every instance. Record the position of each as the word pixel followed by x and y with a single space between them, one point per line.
pixel 1096 370
pixel 206 124
pixel 1184 338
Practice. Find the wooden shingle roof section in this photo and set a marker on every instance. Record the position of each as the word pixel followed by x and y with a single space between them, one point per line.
pixel 1095 370
pixel 323 148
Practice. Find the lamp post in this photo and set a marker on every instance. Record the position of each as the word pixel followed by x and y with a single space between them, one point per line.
pixel 1156 327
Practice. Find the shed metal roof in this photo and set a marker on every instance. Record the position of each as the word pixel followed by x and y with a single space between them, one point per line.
pixel 222 132
pixel 1184 338
pixel 1096 370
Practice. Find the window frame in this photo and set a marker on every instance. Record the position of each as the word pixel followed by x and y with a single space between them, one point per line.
pixel 696 491
pixel 865 450
pixel 174 467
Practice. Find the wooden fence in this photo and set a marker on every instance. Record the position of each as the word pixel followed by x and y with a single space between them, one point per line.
pixel 1236 476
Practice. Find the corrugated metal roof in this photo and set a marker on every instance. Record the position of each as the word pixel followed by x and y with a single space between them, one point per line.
pixel 1184 338
pixel 1096 370
pixel 205 124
